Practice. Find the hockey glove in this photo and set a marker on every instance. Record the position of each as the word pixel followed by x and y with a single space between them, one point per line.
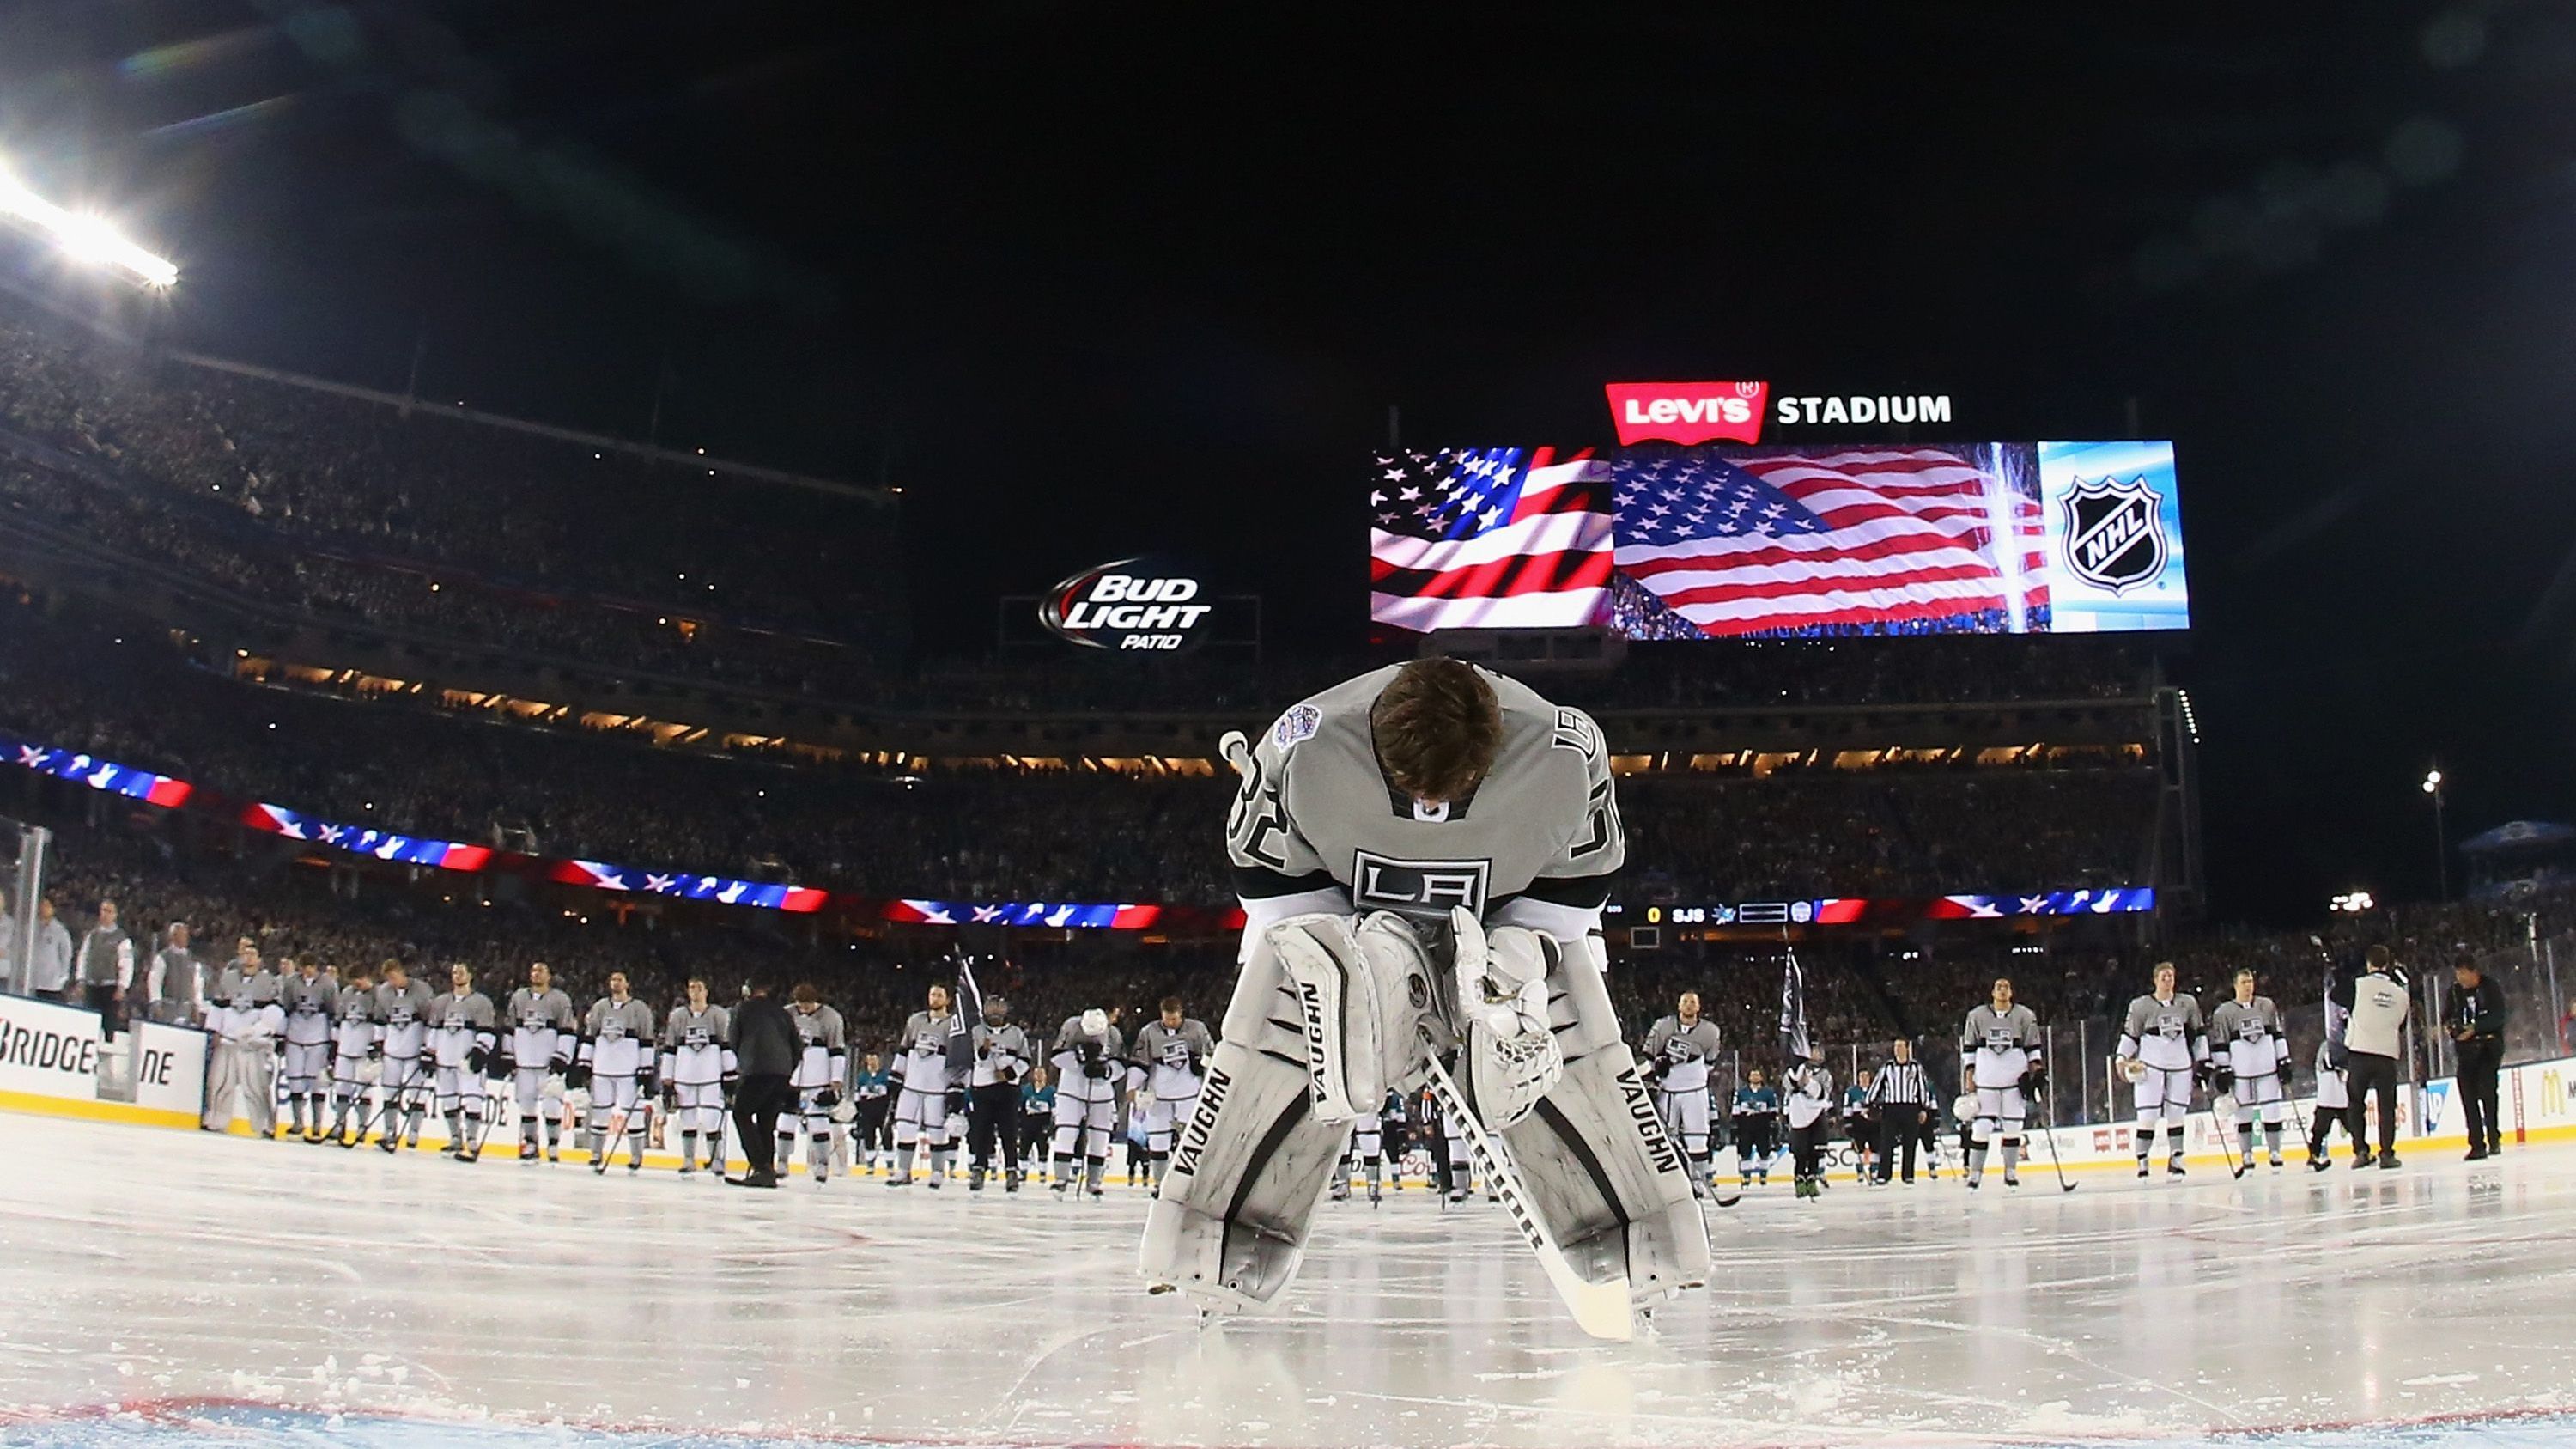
pixel 826 1099
pixel 505 1065
pixel 476 1059
pixel 644 1081
pixel 1513 1057
pixel 2034 1077
pixel 577 1076
pixel 2222 1081
pixel 957 1099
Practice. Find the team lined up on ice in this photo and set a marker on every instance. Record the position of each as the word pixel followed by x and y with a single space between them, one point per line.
pixel 374 1057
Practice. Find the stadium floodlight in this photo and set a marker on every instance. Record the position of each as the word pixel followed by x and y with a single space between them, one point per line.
pixel 89 239
pixel 2351 903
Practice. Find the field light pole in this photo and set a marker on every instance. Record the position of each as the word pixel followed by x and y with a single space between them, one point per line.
pixel 2441 847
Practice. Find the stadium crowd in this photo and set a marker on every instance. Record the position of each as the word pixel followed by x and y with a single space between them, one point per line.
pixel 358 512
pixel 984 834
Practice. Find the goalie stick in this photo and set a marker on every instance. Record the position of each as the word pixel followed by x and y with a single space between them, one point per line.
pixel 1600 1309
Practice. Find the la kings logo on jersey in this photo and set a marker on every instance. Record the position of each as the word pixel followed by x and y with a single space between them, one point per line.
pixel 1417 887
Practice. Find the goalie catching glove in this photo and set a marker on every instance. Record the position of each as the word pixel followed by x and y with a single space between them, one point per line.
pixel 1512 1057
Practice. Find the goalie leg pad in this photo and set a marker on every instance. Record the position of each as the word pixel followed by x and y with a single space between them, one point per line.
pixel 1247 1169
pixel 1609 1180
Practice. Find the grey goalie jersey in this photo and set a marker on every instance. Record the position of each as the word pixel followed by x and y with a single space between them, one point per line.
pixel 1318 826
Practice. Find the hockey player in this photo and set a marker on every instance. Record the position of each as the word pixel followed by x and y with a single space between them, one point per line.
pixel 543 1036
pixel 402 1031
pixel 1001 1059
pixel 247 1024
pixel 1810 1091
pixel 616 1062
pixel 1458 1155
pixel 2163 1042
pixel 1037 1117
pixel 1674 1061
pixel 310 999
pixel 355 1042
pixel 1170 1058
pixel 822 1065
pixel 2334 1109
pixel 921 1066
pixel 1756 1112
pixel 462 1037
pixel 1423 853
pixel 2254 1070
pixel 697 1065
pixel 872 1092
pixel 1364 1150
pixel 2001 1064
pixel 1088 1077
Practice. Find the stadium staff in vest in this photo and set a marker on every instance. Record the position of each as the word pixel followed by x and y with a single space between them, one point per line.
pixel 2373 1039
pixel 177 984
pixel 106 968
pixel 766 1050
pixel 2474 1016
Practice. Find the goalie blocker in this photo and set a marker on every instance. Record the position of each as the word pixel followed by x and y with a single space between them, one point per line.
pixel 1332 1010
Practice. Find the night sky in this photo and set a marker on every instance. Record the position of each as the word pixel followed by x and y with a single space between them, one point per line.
pixel 1095 279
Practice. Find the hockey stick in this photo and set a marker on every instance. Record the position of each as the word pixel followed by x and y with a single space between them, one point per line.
pixel 2048 1129
pixel 1600 1309
pixel 2237 1166
pixel 618 1121
pixel 392 1108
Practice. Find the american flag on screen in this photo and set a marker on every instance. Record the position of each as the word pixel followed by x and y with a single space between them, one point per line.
pixel 1508 538
pixel 1858 538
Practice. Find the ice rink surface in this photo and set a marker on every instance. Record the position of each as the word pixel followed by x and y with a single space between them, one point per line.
pixel 165 1288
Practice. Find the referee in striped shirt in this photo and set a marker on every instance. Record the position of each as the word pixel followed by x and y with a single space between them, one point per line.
pixel 1901 1095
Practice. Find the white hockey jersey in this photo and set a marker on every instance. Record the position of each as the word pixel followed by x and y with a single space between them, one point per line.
pixel 1683 1051
pixel 2167 1035
pixel 1997 1047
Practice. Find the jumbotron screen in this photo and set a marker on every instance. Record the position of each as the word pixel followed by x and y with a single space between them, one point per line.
pixel 1669 542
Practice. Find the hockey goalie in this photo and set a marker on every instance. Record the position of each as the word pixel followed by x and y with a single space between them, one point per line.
pixel 1423 854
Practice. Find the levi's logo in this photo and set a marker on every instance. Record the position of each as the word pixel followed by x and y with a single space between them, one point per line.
pixel 1688 412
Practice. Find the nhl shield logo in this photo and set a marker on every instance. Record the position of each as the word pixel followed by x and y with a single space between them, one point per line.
pixel 2115 534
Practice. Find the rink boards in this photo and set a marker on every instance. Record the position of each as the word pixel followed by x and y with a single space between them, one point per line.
pixel 49 1055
